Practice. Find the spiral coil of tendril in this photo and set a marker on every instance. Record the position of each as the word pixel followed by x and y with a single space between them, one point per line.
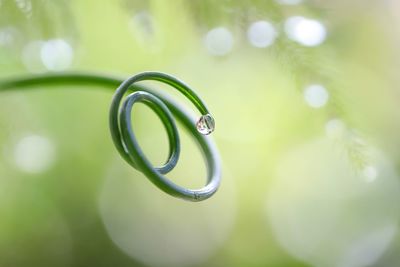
pixel 126 143
pixel 165 108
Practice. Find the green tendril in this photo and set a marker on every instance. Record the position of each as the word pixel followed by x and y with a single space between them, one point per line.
pixel 165 108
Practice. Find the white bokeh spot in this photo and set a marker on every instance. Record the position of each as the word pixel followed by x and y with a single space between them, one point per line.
pixel 8 36
pixel 316 96
pixel 326 213
pixel 308 32
pixel 219 41
pixel 57 54
pixel 261 34
pixel 289 2
pixel 370 173
pixel 34 154
pixel 335 128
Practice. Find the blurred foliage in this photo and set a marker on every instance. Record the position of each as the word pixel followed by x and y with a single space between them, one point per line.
pixel 86 208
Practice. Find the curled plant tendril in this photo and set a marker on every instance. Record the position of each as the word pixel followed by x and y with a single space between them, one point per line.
pixel 164 107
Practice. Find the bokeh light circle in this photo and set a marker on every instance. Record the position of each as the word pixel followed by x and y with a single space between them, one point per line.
pixel 289 2
pixel 34 154
pixel 219 41
pixel 326 213
pixel 307 32
pixel 335 128
pixel 57 54
pixel 261 34
pixel 158 230
pixel 316 96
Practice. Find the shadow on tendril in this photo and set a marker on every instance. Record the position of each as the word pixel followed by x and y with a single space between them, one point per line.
pixel 166 109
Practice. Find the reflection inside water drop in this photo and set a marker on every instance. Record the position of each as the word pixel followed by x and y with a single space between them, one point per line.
pixel 206 124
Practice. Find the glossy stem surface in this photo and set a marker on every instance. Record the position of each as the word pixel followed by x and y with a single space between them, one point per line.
pixel 121 129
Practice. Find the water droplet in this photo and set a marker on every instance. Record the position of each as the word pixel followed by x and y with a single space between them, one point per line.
pixel 206 124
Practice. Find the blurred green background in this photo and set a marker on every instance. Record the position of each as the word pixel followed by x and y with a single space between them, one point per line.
pixel 305 95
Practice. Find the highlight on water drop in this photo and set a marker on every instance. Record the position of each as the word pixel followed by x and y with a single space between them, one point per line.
pixel 206 124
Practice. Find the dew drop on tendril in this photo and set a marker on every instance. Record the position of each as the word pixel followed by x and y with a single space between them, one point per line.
pixel 206 124
pixel 166 108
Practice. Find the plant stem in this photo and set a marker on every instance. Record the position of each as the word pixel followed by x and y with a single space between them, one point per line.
pixel 121 128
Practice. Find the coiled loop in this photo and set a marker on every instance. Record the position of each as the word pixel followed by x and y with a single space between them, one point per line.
pixel 128 138
pixel 127 145
pixel 166 109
